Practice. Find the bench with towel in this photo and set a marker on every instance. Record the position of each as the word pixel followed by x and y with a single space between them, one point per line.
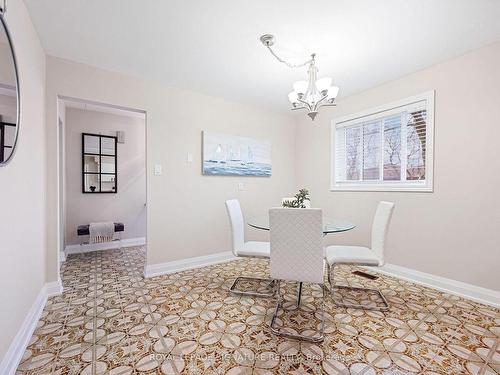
pixel 100 232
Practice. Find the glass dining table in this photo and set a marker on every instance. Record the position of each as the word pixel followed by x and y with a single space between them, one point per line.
pixel 330 225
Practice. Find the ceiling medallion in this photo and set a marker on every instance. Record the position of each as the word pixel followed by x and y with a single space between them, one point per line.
pixel 311 94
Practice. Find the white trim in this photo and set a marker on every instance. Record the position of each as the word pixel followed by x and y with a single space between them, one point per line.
pixel 62 256
pixel 12 358
pixel 475 293
pixel 188 263
pixel 92 105
pixel 85 248
pixel 410 187
pixel 375 112
pixel 426 96
pixel 53 288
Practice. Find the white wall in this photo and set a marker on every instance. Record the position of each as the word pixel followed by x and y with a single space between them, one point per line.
pixel 186 212
pixel 127 205
pixel 454 231
pixel 22 186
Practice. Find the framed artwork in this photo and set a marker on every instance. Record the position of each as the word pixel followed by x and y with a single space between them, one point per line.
pixel 230 155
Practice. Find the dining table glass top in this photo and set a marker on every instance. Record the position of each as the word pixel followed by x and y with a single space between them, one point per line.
pixel 330 225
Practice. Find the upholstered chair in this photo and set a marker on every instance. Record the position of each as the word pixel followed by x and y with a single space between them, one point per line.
pixel 297 254
pixel 247 249
pixel 363 256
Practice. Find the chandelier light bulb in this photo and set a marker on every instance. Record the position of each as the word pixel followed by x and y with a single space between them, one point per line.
pixel 333 92
pixel 323 84
pixel 293 96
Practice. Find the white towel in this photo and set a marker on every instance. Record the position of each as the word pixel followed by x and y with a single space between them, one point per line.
pixel 101 232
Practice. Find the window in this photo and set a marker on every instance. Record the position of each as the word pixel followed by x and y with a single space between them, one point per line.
pixel 99 163
pixel 386 148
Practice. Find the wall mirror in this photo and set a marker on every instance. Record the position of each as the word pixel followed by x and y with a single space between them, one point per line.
pixel 9 95
pixel 99 163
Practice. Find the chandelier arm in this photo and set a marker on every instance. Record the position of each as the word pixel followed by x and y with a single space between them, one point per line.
pixel 320 102
pixel 286 62
pixel 306 104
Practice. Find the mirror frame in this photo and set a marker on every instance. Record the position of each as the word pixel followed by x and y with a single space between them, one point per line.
pixel 100 154
pixel 18 93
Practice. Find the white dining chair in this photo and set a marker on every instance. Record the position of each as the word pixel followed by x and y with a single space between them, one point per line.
pixel 363 256
pixel 297 254
pixel 248 249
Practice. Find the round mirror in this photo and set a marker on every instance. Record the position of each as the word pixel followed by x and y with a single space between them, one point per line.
pixel 9 95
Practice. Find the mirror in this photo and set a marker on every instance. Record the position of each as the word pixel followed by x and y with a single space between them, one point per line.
pixel 99 163
pixel 9 95
pixel 107 146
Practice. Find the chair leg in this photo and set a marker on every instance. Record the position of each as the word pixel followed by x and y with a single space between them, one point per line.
pixel 276 331
pixel 385 307
pixel 299 295
pixel 271 285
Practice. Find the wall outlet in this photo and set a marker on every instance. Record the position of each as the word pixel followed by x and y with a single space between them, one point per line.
pixel 158 170
pixel 189 157
pixel 241 186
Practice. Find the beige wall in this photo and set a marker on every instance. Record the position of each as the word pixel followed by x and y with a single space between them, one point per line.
pixel 186 212
pixel 454 231
pixel 22 186
pixel 127 205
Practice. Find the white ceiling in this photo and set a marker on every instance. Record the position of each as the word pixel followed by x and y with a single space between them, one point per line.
pixel 213 46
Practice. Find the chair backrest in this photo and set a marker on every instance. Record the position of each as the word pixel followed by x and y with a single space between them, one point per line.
pixel 380 227
pixel 237 224
pixel 297 252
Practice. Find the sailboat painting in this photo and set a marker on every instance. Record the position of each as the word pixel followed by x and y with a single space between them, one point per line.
pixel 227 155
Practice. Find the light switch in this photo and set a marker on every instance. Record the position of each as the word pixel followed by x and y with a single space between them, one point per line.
pixel 158 170
pixel 189 157
pixel 241 186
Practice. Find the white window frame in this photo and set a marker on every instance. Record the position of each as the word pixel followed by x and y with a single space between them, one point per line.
pixel 413 186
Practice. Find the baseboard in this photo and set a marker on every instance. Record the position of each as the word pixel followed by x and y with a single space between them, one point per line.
pixel 62 256
pixel 75 249
pixel 475 293
pixel 53 288
pixel 188 263
pixel 10 361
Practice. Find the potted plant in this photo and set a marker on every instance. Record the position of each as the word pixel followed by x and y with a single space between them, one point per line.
pixel 299 200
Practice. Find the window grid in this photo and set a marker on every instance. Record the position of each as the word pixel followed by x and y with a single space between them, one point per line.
pixel 389 148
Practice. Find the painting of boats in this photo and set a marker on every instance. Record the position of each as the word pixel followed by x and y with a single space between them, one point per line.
pixel 228 155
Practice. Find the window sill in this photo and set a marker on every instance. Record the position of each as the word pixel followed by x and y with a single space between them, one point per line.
pixel 379 188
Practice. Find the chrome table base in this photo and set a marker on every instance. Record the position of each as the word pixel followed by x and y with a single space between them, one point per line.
pixel 274 288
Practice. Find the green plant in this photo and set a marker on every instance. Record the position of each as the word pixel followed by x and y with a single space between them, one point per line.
pixel 298 202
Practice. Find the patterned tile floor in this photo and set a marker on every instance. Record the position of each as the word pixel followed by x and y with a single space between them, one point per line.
pixel 109 320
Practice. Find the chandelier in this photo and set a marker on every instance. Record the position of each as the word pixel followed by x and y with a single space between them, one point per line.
pixel 311 94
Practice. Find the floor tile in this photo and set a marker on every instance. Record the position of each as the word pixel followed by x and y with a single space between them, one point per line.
pixel 110 320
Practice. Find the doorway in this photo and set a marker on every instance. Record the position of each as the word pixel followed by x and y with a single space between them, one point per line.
pixel 101 176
